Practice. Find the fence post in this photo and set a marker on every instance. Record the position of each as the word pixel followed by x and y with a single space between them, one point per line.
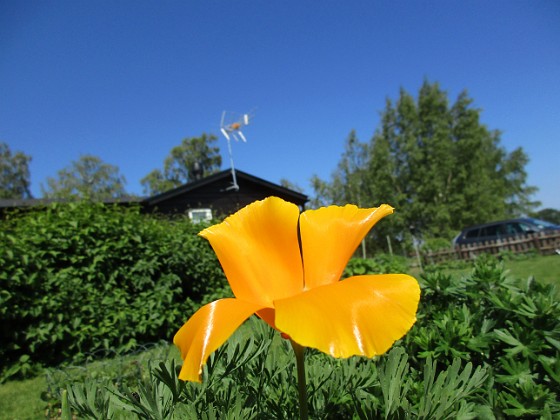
pixel 537 241
pixel 389 245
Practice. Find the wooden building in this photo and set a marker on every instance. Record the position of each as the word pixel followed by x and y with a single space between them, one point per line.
pixel 218 195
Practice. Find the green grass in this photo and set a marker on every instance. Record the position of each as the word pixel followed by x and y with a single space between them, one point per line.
pixel 545 269
pixel 21 400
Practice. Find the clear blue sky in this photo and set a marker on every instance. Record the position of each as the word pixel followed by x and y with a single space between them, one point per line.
pixel 128 80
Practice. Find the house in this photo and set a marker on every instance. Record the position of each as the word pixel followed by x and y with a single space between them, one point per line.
pixel 214 196
pixel 218 195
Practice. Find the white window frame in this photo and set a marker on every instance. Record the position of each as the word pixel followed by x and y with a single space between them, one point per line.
pixel 200 215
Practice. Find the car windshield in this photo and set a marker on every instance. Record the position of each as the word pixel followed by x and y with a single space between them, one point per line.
pixel 542 224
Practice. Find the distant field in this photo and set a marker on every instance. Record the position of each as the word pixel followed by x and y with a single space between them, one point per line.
pixel 545 269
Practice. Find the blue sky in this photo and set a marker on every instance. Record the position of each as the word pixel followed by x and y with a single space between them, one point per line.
pixel 128 80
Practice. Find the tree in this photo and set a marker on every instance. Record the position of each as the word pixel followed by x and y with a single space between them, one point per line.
pixel 348 180
pixel 548 214
pixel 86 178
pixel 193 157
pixel 437 164
pixel 518 193
pixel 14 173
pixel 452 168
pixel 286 183
pixel 322 193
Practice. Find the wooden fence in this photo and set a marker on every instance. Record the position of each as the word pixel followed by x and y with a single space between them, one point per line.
pixel 545 243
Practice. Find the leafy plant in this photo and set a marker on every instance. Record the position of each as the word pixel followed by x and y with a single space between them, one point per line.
pixel 380 264
pixel 81 277
pixel 510 325
pixel 489 318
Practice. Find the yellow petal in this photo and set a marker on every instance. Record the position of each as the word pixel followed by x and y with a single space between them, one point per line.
pixel 207 330
pixel 259 250
pixel 329 237
pixel 362 315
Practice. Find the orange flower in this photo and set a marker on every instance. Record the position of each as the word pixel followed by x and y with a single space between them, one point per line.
pixel 286 267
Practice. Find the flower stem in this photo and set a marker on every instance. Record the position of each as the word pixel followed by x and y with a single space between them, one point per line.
pixel 300 363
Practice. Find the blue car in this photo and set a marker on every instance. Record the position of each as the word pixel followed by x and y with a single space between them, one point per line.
pixel 502 229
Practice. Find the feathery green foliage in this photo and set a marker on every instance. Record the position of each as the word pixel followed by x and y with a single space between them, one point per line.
pixel 484 346
pixel 254 377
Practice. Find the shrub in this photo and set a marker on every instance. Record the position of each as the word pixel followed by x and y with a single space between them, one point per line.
pixel 380 264
pixel 78 277
pixel 436 244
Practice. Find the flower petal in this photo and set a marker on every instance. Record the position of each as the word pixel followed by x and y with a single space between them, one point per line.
pixel 207 330
pixel 362 315
pixel 259 250
pixel 329 237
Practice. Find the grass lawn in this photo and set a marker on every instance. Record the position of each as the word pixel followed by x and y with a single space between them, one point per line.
pixel 21 400
pixel 545 269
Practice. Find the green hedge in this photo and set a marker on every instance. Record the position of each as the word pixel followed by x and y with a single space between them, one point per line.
pixel 380 264
pixel 80 277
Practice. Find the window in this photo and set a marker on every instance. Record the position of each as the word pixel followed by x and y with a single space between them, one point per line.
pixel 472 233
pixel 527 228
pixel 489 231
pixel 200 215
pixel 542 224
pixel 513 228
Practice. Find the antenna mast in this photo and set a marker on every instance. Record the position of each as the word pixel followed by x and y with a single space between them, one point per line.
pixel 230 126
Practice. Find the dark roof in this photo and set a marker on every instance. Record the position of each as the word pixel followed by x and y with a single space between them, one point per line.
pixel 218 177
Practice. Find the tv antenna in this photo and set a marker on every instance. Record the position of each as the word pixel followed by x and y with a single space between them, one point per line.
pixel 231 126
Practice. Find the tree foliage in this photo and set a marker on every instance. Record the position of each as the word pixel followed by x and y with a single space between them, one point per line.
pixel 548 214
pixel 14 173
pixel 436 163
pixel 179 166
pixel 286 183
pixel 88 177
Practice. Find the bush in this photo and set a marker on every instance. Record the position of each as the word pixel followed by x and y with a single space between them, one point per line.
pixel 436 244
pixel 78 277
pixel 380 264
